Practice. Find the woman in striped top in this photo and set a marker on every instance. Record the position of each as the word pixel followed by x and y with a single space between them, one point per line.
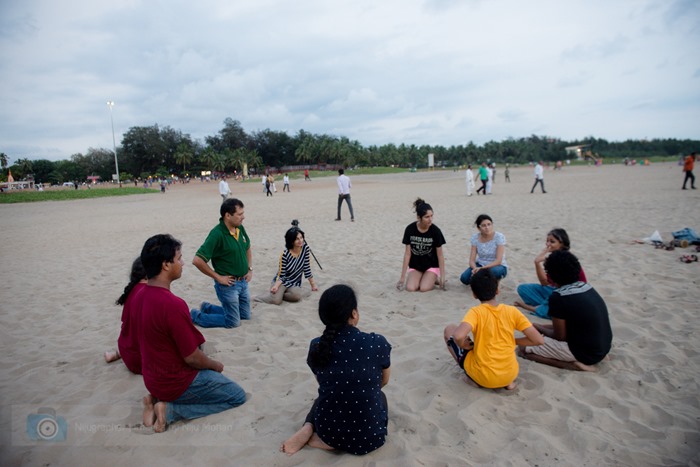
pixel 293 262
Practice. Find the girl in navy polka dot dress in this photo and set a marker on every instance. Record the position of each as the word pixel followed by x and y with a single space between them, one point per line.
pixel 350 413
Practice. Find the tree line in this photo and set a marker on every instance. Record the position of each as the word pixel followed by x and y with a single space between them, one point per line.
pixel 163 151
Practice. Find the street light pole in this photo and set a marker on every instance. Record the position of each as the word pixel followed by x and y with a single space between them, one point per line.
pixel 110 104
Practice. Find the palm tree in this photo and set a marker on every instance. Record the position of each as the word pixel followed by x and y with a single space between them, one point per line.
pixel 248 159
pixel 183 155
pixel 208 158
pixel 219 163
pixel 306 151
pixel 25 166
pixel 236 159
pixel 4 160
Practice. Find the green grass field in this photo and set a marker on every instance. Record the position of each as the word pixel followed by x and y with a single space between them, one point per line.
pixel 68 194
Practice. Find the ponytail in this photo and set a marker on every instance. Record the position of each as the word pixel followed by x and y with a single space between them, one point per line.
pixel 138 273
pixel 335 309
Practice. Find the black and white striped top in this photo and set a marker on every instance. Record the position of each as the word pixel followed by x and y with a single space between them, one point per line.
pixel 291 267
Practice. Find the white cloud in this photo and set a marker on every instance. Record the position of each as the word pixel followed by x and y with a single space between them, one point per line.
pixel 420 72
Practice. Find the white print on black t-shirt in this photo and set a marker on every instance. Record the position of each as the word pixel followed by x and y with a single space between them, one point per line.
pixel 421 246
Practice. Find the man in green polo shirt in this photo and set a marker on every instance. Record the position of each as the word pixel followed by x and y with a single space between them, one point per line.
pixel 228 249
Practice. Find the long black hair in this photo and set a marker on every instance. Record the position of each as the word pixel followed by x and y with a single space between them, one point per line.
pixel 138 273
pixel 335 309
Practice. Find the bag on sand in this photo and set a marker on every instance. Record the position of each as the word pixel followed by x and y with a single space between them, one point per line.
pixel 687 234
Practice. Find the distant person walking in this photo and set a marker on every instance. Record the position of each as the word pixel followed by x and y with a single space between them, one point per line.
pixel 268 186
pixel 306 175
pixel 688 166
pixel 507 174
pixel 489 180
pixel 539 177
pixel 344 186
pixel 224 189
pixel 285 180
pixel 484 177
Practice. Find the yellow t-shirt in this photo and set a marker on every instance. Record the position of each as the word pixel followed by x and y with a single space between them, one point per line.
pixel 492 362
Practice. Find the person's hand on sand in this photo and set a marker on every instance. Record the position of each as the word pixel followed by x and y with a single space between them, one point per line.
pixel 399 285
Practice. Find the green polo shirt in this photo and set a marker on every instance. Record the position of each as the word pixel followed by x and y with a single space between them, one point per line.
pixel 227 255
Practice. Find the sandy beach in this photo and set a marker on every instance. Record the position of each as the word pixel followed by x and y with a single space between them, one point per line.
pixel 65 263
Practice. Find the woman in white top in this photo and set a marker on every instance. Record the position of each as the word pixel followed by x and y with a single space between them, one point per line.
pixel 488 251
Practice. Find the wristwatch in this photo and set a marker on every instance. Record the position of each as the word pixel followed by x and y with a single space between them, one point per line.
pixel 250 268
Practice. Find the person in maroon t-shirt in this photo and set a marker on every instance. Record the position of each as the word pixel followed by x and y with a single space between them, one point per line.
pixel 127 344
pixel 183 382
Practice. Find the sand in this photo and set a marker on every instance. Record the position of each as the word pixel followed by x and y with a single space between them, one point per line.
pixel 65 263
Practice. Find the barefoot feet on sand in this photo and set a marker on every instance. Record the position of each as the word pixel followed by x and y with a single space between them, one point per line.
pixel 111 355
pixel 149 414
pixel 160 423
pixel 298 440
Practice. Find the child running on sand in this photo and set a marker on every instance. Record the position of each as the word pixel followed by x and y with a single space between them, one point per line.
pixel 490 360
pixel 127 345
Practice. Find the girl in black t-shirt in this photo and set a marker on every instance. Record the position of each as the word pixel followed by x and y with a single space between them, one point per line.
pixel 423 258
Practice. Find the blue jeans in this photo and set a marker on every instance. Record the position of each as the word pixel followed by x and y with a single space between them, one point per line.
pixel 499 272
pixel 210 392
pixel 537 295
pixel 235 306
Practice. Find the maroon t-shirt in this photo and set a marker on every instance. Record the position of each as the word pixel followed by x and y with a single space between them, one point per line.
pixel 128 342
pixel 166 336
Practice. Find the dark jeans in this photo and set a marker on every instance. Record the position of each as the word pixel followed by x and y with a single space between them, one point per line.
pixel 689 176
pixel 483 186
pixel 541 182
pixel 347 200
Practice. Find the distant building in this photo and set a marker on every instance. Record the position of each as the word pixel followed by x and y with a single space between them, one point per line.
pixel 579 151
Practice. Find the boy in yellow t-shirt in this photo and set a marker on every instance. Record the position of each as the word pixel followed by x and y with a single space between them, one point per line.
pixel 490 360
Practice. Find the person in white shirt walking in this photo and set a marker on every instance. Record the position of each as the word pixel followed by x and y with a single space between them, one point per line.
pixel 539 177
pixel 344 186
pixel 224 189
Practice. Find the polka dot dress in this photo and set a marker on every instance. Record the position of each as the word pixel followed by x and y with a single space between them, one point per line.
pixel 351 412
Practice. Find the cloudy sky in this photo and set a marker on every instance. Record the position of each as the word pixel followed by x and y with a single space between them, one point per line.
pixel 379 71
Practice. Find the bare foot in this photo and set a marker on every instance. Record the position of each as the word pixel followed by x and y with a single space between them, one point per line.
pixel 160 423
pixel 511 386
pixel 316 442
pixel 112 355
pixel 298 440
pixel 583 367
pixel 523 305
pixel 149 415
